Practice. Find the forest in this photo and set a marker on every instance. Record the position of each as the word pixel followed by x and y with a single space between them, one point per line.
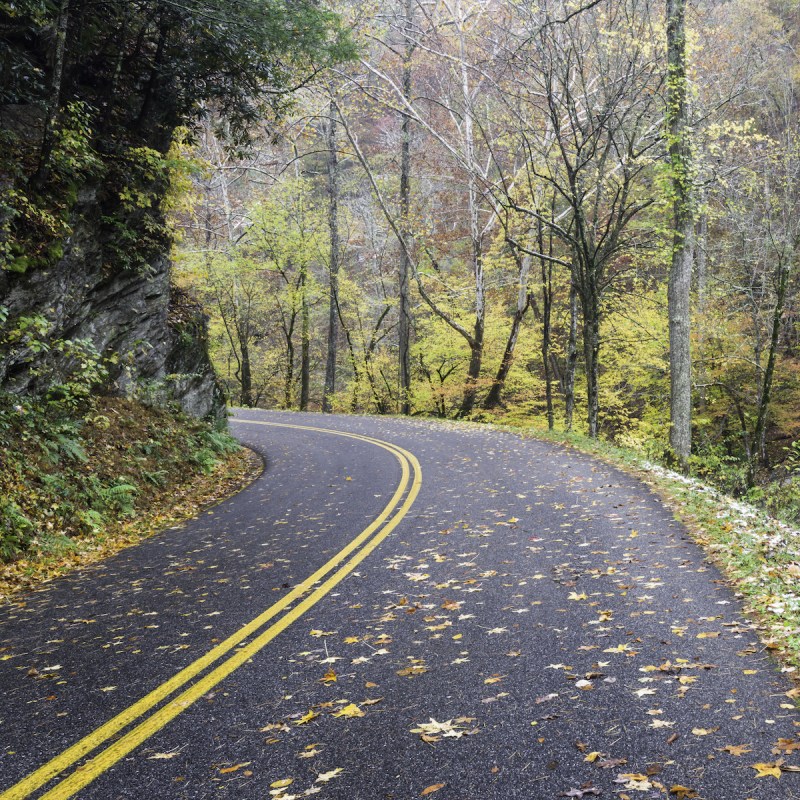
pixel 581 217
pixel 573 216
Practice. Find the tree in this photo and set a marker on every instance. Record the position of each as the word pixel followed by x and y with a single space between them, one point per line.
pixel 332 172
pixel 680 275
pixel 593 81
pixel 132 73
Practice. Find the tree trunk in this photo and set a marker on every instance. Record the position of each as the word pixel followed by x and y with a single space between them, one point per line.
pixel 152 82
pixel 404 322
pixel 245 373
pixel 591 353
pixel 760 433
pixel 547 302
pixel 476 347
pixel 474 369
pixel 333 225
pixel 547 313
pixel 523 303
pixel 54 97
pixel 287 388
pixel 683 228
pixel 305 339
pixel 572 359
pixel 701 259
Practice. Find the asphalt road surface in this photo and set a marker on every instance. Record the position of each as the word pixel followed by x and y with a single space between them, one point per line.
pixel 398 609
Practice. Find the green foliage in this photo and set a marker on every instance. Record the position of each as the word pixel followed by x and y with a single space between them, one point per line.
pixel 16 530
pixel 67 371
pixel 209 446
pixel 34 221
pixel 117 498
pixel 69 475
pixel 122 98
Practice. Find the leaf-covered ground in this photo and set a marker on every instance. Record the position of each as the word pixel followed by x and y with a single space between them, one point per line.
pixel 77 488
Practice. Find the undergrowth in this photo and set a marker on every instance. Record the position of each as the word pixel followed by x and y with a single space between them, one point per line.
pixel 67 474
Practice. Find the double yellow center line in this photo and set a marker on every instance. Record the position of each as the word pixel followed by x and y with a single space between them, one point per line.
pixel 308 593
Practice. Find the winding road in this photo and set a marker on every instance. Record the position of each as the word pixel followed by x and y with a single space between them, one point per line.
pixel 398 609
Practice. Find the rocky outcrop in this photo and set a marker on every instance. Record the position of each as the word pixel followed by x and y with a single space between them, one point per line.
pixel 155 333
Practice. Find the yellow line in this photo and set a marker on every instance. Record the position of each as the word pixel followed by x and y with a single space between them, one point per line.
pixel 94 767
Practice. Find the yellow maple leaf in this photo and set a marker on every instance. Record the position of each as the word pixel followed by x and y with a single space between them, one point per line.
pixel 765 770
pixel 735 749
pixel 307 717
pixel 350 710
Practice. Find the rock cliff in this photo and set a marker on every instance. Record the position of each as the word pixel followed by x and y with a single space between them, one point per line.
pixel 157 334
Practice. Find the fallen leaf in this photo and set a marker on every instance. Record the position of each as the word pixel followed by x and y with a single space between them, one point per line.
pixel 350 710
pixel 585 789
pixel 682 791
pixel 735 749
pixel 324 777
pixel 434 787
pixel 226 770
pixel 765 770
pixel 786 746
pixel 280 784
pixel 329 677
pixel 434 730
pixel 608 763
pixel 412 671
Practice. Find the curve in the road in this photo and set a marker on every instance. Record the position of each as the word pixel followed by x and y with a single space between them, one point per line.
pixel 351 554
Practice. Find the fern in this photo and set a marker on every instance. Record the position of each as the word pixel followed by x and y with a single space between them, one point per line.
pixel 220 442
pixel 71 448
pixel 91 520
pixel 16 530
pixel 117 497
pixel 157 477
pixel 204 458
